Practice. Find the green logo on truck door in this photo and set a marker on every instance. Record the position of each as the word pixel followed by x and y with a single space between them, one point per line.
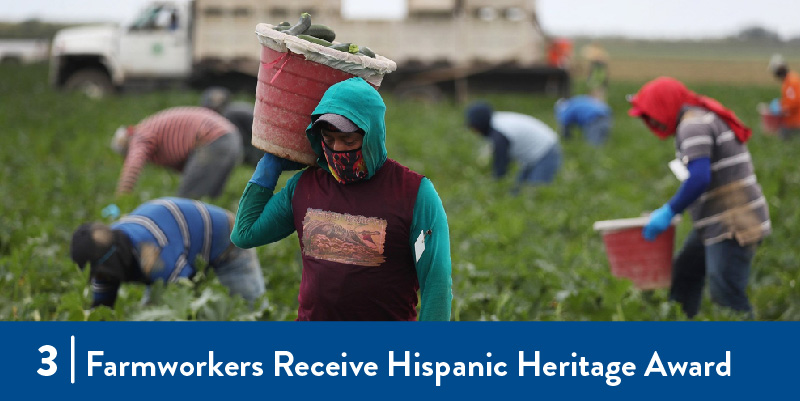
pixel 158 48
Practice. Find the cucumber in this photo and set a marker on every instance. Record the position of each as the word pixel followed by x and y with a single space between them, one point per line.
pixel 313 39
pixel 366 51
pixel 300 27
pixel 321 31
pixel 346 47
pixel 283 26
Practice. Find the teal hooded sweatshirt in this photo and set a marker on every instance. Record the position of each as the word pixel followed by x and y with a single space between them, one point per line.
pixel 263 218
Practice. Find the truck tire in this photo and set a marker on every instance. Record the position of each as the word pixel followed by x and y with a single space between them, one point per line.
pixel 95 84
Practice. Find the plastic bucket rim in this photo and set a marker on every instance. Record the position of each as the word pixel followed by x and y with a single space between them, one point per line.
pixel 626 223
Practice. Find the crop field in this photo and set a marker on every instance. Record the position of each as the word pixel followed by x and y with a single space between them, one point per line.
pixel 515 258
pixel 724 61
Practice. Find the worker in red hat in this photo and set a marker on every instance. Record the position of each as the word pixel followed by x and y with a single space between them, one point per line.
pixel 729 211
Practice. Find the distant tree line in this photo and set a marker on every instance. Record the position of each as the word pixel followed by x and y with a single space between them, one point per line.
pixel 30 29
pixel 761 34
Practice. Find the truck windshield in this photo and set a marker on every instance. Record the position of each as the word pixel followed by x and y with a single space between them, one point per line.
pixel 156 17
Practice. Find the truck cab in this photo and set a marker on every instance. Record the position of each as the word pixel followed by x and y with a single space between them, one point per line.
pixel 98 60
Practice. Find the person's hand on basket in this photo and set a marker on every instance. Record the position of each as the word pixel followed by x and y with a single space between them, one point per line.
pixel 660 220
pixel 269 169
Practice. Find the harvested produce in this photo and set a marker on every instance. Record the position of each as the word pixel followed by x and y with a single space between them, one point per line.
pixel 301 26
pixel 366 51
pixel 346 47
pixel 321 32
pixel 316 40
pixel 321 35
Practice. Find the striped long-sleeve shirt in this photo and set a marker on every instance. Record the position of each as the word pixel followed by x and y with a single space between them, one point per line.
pixel 168 138
pixel 169 234
pixel 732 205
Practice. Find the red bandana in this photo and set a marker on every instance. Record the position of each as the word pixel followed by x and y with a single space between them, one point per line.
pixel 346 166
pixel 662 99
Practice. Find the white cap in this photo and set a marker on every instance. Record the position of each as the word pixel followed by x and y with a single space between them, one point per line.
pixel 339 122
pixel 776 62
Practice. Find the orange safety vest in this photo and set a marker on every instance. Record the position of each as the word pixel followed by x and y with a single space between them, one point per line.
pixel 790 100
pixel 559 53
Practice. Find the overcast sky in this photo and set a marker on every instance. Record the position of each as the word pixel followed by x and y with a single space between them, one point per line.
pixel 636 18
pixel 668 18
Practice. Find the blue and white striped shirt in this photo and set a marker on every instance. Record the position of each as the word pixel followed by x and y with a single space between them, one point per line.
pixel 169 234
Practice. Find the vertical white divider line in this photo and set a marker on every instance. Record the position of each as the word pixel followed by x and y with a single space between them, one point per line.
pixel 72 360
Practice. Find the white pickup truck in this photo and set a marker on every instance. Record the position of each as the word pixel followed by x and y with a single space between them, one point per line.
pixel 24 51
pixel 439 45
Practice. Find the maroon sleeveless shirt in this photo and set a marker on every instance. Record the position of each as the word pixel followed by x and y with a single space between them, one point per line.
pixel 357 259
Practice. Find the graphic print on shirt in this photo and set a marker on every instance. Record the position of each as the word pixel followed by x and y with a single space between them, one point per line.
pixel 344 238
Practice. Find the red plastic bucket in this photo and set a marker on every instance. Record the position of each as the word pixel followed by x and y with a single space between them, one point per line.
pixel 770 123
pixel 292 77
pixel 647 264
pixel 289 88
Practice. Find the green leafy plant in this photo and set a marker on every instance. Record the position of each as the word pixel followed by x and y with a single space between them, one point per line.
pixel 528 257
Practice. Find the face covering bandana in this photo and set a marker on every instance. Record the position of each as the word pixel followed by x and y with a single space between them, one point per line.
pixel 347 166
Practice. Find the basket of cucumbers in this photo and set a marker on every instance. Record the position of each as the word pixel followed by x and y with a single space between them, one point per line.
pixel 298 63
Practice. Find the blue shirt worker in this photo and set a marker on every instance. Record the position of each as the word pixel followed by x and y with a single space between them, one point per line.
pixel 591 115
pixel 160 241
pixel 518 137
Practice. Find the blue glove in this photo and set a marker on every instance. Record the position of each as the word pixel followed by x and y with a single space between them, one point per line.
pixel 269 168
pixel 111 211
pixel 659 221
pixel 775 106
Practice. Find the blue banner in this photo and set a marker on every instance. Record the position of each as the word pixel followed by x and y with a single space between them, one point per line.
pixel 472 360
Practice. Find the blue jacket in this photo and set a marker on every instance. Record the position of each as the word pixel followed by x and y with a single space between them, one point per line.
pixel 580 110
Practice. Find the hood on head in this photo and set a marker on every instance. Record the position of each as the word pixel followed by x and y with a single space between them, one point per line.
pixel 479 117
pixel 360 103
pixel 107 252
pixel 90 241
pixel 661 100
